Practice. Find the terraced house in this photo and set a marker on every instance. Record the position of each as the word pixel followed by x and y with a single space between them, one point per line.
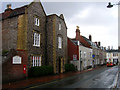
pixel 84 53
pixel 31 38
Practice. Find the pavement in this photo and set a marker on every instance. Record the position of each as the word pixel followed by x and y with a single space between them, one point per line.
pixel 41 80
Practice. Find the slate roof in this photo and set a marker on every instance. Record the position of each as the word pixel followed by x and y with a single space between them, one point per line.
pixel 12 12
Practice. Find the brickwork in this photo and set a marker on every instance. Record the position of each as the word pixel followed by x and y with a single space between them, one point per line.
pixel 13 72
pixel 72 50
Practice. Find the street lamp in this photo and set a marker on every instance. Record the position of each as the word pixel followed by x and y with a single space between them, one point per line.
pixel 111 5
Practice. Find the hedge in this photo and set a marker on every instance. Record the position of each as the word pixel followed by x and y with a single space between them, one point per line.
pixel 40 71
pixel 69 67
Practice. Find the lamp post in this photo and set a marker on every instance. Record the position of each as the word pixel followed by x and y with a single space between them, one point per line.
pixel 111 5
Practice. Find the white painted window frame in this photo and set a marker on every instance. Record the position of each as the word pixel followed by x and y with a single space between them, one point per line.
pixel 37 21
pixel 36 41
pixel 60 42
pixel 60 26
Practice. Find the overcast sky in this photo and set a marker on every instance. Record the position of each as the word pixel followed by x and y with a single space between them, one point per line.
pixel 92 17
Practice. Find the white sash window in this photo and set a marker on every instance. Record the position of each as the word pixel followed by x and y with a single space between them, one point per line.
pixel 59 42
pixel 59 26
pixel 37 21
pixel 36 39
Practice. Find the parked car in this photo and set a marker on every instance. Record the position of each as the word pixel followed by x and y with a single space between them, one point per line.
pixel 109 64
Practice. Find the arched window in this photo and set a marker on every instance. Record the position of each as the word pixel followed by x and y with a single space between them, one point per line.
pixel 59 42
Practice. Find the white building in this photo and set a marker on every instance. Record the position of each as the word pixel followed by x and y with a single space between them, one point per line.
pixel 112 55
pixel 85 57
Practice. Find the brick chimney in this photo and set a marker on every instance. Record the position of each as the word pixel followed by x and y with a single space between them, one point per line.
pixel 8 8
pixel 98 43
pixel 90 37
pixel 77 33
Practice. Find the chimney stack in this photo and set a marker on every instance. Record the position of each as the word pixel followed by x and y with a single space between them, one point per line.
pixel 104 48
pixel 77 33
pixel 111 47
pixel 98 43
pixel 8 7
pixel 90 37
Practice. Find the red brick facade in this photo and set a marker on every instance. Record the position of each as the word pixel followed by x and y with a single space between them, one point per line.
pixel 12 72
pixel 81 39
pixel 72 50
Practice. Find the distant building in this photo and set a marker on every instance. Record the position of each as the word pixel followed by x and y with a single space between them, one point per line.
pixel 112 55
pixel 79 52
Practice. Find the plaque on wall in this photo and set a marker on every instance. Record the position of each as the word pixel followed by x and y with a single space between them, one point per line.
pixel 16 60
pixel 74 57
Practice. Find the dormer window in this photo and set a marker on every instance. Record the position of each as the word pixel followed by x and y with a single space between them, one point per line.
pixel 37 21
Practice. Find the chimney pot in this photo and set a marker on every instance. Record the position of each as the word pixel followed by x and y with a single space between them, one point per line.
pixel 90 37
pixel 98 43
pixel 77 33
pixel 8 6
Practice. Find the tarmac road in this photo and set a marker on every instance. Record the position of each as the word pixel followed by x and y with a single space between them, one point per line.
pixel 100 78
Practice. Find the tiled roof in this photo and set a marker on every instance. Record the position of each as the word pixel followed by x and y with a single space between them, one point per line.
pixel 87 40
pixel 12 12
pixel 83 41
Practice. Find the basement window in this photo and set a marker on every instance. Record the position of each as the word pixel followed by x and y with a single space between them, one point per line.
pixel 36 61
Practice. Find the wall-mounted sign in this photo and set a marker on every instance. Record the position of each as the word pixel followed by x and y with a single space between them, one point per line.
pixel 16 60
pixel 74 57
pixel 93 55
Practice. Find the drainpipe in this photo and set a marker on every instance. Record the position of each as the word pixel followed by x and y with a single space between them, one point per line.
pixel 80 60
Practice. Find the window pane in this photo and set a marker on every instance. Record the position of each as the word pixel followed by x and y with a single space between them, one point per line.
pixel 59 42
pixel 36 39
pixel 59 26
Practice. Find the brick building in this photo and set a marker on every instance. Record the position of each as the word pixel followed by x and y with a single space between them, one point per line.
pixel 29 35
pixel 79 52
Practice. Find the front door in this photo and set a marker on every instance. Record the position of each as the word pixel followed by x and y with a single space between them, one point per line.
pixel 61 65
